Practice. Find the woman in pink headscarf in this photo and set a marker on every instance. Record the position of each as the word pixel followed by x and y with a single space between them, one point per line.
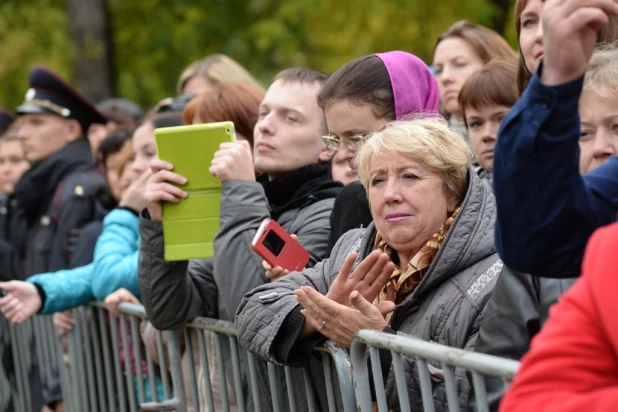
pixel 425 264
pixel 359 99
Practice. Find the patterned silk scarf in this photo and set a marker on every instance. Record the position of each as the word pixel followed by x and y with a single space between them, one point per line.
pixel 404 281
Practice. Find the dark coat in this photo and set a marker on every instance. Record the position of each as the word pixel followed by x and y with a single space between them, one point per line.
pixel 56 199
pixel 350 211
pixel 52 202
pixel 12 239
pixel 547 210
pixel 517 309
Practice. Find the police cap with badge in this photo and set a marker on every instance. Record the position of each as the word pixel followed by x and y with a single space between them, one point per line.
pixel 49 94
pixel 6 118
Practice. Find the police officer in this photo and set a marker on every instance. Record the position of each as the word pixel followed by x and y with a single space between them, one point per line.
pixel 57 196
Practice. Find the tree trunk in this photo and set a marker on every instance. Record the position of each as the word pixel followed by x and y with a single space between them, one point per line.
pixel 90 31
pixel 500 19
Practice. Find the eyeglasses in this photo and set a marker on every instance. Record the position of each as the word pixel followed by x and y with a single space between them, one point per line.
pixel 353 143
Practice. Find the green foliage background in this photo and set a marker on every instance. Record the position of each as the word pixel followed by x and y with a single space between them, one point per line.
pixel 155 39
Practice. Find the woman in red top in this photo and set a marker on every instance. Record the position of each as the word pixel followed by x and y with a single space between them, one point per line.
pixel 573 362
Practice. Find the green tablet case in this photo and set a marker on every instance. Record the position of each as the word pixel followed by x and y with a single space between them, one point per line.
pixel 189 227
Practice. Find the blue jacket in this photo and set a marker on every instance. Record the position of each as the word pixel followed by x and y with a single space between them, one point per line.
pixel 115 266
pixel 546 209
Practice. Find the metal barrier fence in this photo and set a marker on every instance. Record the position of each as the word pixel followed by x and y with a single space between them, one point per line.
pixel 423 352
pixel 34 355
pixel 101 368
pixel 105 367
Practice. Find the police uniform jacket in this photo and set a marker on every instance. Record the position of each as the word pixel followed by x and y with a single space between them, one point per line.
pixel 57 198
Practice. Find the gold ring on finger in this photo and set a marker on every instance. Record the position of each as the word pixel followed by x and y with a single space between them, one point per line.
pixel 322 326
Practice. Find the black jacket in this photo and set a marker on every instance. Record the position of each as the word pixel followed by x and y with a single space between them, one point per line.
pixel 351 211
pixel 12 239
pixel 56 198
pixel 52 202
pixel 83 250
pixel 516 311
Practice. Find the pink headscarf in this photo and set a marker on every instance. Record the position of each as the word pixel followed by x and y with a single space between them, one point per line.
pixel 414 87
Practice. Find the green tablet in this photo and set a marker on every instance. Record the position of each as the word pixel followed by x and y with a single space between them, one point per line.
pixel 189 227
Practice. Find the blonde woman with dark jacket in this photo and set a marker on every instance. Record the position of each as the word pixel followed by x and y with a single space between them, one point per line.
pixel 425 267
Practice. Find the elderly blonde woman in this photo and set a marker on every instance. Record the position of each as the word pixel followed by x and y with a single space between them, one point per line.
pixel 424 268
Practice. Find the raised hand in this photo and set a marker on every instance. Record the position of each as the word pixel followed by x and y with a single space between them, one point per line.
pixel 233 161
pixel 368 278
pixel 160 188
pixel 339 322
pixel 569 36
pixel 133 196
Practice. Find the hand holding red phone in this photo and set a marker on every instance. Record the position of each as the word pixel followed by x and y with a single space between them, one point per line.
pixel 281 251
pixel 274 273
pixel 277 272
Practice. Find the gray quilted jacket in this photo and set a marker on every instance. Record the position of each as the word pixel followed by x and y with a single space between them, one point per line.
pixel 174 293
pixel 446 307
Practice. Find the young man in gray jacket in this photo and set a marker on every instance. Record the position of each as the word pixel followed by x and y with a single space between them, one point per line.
pixel 295 189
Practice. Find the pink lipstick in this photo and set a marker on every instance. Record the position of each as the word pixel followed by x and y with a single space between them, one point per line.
pixel 396 217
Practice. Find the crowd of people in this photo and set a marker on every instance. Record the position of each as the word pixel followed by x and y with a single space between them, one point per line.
pixel 450 203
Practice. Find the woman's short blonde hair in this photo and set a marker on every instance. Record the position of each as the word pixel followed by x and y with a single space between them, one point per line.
pixel 217 69
pixel 428 141
pixel 602 72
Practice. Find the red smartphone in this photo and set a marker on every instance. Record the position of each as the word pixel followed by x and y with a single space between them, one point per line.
pixel 278 248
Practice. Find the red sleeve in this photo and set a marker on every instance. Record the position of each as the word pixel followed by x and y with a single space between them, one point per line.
pixel 572 364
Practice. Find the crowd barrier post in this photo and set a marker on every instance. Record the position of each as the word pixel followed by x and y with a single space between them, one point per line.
pixel 478 364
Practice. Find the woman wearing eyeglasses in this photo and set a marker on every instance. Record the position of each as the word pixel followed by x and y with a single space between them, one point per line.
pixel 341 170
pixel 359 99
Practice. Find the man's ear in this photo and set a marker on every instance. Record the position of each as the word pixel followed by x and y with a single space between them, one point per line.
pixel 74 130
pixel 326 154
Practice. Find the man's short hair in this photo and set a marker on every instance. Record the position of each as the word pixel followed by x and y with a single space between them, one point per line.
pixel 301 75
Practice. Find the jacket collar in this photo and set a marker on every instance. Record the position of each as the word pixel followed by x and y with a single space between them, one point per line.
pixel 299 188
pixel 37 186
pixel 471 238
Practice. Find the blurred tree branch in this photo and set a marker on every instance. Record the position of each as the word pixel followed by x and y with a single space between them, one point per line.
pixel 93 65
pixel 138 48
pixel 501 16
